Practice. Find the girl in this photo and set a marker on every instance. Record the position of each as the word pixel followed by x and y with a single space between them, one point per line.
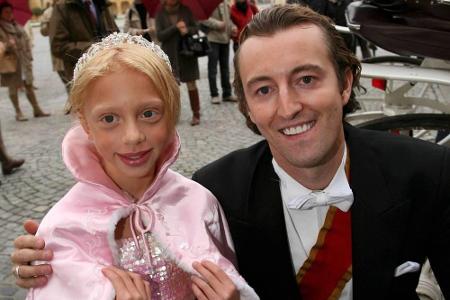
pixel 128 208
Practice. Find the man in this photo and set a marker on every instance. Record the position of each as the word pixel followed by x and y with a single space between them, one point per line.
pixel 390 195
pixel 57 63
pixel 219 30
pixel 74 26
pixel 320 209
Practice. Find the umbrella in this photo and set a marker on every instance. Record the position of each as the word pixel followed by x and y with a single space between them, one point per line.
pixel 201 9
pixel 21 10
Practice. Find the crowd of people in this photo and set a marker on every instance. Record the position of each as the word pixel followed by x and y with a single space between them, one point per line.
pixel 319 209
pixel 69 37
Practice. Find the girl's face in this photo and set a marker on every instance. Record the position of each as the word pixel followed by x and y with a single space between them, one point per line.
pixel 126 120
pixel 7 14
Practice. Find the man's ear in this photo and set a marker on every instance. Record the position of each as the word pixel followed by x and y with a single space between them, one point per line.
pixel 84 124
pixel 348 86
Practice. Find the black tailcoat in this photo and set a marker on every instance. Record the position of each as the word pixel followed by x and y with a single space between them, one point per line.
pixel 401 213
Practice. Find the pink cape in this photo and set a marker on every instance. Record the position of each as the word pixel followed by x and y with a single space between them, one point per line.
pixel 184 216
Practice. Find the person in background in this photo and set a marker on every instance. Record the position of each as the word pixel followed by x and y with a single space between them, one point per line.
pixel 57 63
pixel 8 164
pixel 242 11
pixel 219 31
pixel 139 22
pixel 28 28
pixel 173 22
pixel 18 71
pixel 74 26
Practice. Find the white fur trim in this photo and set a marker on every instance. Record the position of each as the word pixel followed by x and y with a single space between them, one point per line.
pixel 115 218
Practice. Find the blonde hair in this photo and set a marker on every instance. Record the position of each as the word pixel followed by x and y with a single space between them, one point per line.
pixel 132 56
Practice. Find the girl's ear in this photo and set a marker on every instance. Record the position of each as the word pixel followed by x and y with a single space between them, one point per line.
pixel 84 124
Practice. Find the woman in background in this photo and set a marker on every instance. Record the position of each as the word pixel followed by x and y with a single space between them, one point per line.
pixel 16 65
pixel 173 22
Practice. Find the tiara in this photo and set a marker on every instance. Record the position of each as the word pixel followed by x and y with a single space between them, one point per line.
pixel 113 40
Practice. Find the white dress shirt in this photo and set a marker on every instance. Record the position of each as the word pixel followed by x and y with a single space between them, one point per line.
pixel 303 226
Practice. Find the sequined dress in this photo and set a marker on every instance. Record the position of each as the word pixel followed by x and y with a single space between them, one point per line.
pixel 167 280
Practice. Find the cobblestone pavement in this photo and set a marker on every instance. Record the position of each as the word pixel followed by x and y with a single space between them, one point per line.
pixel 31 190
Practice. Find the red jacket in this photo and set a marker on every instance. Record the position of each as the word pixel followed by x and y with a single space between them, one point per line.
pixel 239 19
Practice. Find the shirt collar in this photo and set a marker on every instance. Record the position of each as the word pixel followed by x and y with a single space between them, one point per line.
pixel 338 186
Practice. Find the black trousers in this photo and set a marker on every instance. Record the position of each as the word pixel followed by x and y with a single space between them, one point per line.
pixel 219 54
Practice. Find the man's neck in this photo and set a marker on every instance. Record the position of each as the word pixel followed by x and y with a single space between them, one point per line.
pixel 317 177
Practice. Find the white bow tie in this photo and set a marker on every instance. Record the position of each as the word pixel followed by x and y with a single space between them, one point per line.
pixel 321 198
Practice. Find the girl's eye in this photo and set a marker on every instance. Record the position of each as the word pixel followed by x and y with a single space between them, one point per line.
pixel 148 114
pixel 263 90
pixel 108 119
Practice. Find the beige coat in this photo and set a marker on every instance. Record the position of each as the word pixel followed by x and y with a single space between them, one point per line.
pixel 17 48
pixel 133 25
pixel 72 32
pixel 58 64
pixel 220 14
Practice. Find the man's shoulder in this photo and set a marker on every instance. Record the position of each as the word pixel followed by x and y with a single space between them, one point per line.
pixel 394 149
pixel 380 139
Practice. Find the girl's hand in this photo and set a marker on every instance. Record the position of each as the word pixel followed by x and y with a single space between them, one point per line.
pixel 128 285
pixel 215 283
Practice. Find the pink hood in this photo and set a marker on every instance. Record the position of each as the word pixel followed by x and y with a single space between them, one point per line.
pixel 184 216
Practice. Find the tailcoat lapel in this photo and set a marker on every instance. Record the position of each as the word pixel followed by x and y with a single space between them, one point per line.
pixel 266 207
pixel 374 242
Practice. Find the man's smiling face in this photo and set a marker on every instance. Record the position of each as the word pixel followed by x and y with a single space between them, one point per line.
pixel 293 96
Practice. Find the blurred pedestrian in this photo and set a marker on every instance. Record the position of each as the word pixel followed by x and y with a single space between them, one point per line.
pixel 57 63
pixel 139 22
pixel 74 26
pixel 8 164
pixel 16 64
pixel 219 31
pixel 242 11
pixel 28 28
pixel 173 22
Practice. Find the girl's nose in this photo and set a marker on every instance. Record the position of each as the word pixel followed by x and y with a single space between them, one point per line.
pixel 133 134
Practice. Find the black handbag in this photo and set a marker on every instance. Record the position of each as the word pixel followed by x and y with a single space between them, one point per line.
pixel 194 45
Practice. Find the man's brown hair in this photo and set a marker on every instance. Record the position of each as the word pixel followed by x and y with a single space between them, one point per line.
pixel 278 18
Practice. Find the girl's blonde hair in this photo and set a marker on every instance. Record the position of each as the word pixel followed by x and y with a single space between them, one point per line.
pixel 131 56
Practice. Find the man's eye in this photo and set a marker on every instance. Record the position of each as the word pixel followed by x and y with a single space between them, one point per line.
pixel 108 119
pixel 307 79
